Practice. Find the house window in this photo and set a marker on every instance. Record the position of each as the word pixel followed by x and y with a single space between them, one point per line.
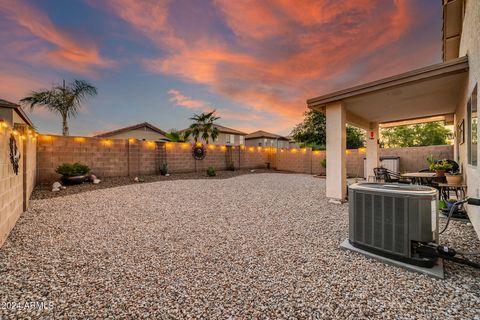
pixel 472 122
pixel 242 140
pixel 230 139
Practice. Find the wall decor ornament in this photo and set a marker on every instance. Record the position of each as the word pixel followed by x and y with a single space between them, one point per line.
pixel 199 151
pixel 461 132
pixel 14 154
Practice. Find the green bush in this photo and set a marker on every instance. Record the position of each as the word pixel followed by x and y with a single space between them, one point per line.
pixel 442 165
pixel 211 172
pixel 72 170
pixel 323 163
pixel 164 169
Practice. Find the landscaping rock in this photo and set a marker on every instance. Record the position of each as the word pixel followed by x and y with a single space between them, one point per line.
pixel 257 246
pixel 57 186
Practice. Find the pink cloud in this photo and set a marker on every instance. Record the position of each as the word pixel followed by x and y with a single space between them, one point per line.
pixel 280 53
pixel 179 99
pixel 82 57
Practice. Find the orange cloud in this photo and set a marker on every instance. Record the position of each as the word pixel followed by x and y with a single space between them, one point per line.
pixel 280 52
pixel 67 54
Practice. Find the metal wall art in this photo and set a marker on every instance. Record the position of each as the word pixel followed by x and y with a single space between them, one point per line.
pixel 14 154
pixel 199 151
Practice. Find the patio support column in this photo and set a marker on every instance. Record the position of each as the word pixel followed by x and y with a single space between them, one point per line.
pixel 372 149
pixel 336 146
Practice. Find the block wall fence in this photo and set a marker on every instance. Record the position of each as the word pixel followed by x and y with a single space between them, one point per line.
pixel 130 157
pixel 15 189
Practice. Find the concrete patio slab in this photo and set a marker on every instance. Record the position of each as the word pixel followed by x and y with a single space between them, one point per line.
pixel 435 272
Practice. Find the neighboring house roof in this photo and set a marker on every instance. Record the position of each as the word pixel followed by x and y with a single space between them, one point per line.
pixel 130 128
pixel 264 134
pixel 224 129
pixel 18 108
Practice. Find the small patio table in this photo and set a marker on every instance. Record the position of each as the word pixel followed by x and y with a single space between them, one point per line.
pixel 425 178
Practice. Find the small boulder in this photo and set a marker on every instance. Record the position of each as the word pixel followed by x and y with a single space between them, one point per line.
pixel 136 179
pixel 57 186
pixel 96 181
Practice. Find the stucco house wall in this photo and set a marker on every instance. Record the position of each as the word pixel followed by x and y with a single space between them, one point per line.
pixel 470 45
pixel 15 189
pixel 267 142
pixel 222 139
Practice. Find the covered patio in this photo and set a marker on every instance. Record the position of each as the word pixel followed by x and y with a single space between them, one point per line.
pixel 427 94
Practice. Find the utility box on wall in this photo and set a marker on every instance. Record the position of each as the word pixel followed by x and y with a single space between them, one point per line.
pixel 391 163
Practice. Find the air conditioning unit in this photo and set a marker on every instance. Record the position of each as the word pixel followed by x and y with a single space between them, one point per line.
pixel 392 220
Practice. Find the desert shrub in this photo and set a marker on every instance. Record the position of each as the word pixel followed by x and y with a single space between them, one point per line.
pixel 72 170
pixel 211 172
pixel 164 169
pixel 323 163
pixel 230 166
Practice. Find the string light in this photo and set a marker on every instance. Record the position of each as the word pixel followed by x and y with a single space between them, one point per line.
pixel 151 144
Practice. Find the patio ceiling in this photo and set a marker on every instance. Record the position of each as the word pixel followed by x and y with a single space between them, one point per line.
pixel 425 92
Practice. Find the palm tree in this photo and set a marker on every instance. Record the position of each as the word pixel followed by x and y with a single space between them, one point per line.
pixel 64 100
pixel 177 136
pixel 203 126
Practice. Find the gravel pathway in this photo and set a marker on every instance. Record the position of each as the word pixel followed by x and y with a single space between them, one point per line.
pixel 253 246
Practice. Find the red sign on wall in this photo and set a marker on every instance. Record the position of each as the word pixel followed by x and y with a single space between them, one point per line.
pixel 371 134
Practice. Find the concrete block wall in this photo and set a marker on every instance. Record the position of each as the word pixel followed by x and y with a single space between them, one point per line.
pixel 131 157
pixel 308 161
pixel 122 157
pixel 13 186
pixel 106 157
pixel 415 158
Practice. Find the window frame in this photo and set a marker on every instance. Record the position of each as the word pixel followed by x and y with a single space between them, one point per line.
pixel 472 117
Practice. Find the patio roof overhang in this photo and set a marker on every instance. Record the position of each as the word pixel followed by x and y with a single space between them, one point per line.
pixel 427 92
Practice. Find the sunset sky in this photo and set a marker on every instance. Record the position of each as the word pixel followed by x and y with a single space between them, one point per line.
pixel 255 61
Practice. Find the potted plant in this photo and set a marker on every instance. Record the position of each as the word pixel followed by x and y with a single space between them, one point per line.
pixel 431 160
pixel 454 178
pixel 450 203
pixel 440 168
pixel 72 173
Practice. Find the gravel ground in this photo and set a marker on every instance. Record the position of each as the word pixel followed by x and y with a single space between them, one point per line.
pixel 44 190
pixel 254 246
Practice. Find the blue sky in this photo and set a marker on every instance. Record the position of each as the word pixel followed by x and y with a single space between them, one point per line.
pixel 161 61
